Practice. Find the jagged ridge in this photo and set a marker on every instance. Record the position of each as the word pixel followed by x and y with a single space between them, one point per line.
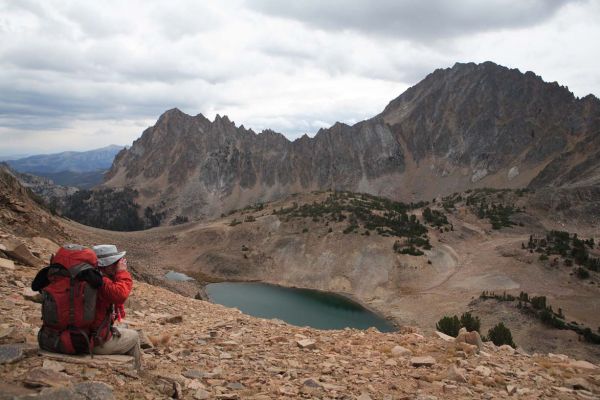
pixel 471 125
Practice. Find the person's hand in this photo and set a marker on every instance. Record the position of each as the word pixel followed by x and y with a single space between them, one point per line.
pixel 122 264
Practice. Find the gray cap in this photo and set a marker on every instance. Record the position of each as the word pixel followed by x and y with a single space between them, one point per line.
pixel 107 254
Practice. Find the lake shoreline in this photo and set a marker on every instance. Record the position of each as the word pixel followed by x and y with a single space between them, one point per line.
pixel 200 281
pixel 349 297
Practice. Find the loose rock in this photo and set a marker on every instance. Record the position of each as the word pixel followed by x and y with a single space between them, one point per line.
pixel 39 377
pixel 399 351
pixel 94 390
pixel 307 344
pixel 7 264
pixel 10 353
pixel 426 361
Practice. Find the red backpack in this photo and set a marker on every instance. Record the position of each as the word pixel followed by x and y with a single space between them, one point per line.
pixel 69 287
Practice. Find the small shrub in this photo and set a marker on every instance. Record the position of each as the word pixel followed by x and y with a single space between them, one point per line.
pixel 449 325
pixel 582 273
pixel 180 220
pixel 500 335
pixel 539 303
pixel 470 322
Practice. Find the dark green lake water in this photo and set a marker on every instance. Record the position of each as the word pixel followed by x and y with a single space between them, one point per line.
pixel 300 307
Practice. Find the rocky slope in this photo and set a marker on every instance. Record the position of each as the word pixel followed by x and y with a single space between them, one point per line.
pixel 466 126
pixel 204 351
pixel 45 188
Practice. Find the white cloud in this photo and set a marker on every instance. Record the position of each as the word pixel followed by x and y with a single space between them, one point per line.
pixel 79 75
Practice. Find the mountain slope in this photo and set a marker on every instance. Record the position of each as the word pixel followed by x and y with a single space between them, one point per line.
pixel 462 127
pixel 491 119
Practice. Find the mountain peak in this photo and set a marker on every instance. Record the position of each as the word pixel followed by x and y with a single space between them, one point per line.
pixel 460 127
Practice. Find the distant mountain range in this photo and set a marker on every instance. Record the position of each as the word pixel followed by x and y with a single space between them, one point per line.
pixel 472 125
pixel 83 169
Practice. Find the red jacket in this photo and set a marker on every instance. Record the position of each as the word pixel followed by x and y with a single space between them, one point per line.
pixel 112 291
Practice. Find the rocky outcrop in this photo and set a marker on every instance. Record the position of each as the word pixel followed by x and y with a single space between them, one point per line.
pixel 43 187
pixel 471 125
pixel 22 212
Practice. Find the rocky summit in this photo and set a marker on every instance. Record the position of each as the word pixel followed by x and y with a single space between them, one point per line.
pixel 472 125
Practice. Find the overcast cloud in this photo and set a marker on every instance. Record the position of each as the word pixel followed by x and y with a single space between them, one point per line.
pixel 77 75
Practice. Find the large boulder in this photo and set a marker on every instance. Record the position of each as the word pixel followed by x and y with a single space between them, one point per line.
pixel 18 251
pixel 473 338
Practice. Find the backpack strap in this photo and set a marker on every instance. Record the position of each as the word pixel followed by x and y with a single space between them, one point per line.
pixel 79 268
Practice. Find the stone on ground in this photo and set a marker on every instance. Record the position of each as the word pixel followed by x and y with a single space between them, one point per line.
pixel 6 264
pixel 426 361
pixel 94 390
pixel 444 337
pixel 19 251
pixel 96 361
pixel 456 374
pixel 10 353
pixel 202 394
pixel 53 365
pixel 31 295
pixel 307 344
pixel 578 383
pixel 473 338
pixel 399 351
pixel 583 364
pixel 40 377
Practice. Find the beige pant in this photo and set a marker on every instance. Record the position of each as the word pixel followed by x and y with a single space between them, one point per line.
pixel 128 343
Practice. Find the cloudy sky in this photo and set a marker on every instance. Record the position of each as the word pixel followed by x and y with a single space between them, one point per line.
pixel 80 74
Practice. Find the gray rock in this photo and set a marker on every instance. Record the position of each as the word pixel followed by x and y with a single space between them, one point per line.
pixel 201 394
pixel 94 390
pixel 312 383
pixel 55 394
pixel 10 353
pixel 193 374
pixel 235 386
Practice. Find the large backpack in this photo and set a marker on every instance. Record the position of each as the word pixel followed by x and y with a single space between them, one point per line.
pixel 69 301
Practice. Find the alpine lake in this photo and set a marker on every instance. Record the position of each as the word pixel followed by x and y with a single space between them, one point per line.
pixel 300 307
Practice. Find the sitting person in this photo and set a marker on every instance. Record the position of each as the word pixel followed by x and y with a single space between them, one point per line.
pixel 83 293
pixel 115 289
